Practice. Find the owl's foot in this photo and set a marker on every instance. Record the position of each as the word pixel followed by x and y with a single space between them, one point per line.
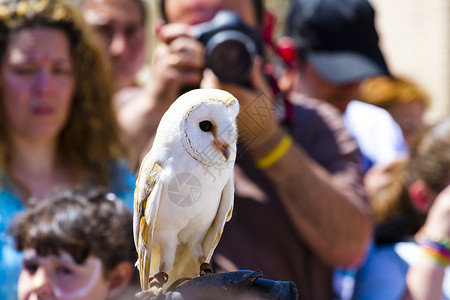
pixel 148 294
pixel 158 280
pixel 205 268
pixel 156 283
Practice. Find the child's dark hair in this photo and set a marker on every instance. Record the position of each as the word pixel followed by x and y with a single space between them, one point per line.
pixel 81 223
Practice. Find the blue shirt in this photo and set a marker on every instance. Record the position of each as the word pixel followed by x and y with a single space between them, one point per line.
pixel 10 205
pixel 380 141
pixel 383 276
pixel 10 259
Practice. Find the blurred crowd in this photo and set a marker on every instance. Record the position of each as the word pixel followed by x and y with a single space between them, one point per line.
pixel 341 187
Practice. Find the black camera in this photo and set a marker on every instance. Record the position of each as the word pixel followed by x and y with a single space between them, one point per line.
pixel 230 46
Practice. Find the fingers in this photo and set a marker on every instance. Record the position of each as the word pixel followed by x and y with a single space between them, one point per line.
pixel 181 51
pixel 257 79
pixel 178 59
pixel 169 32
pixel 158 27
pixel 186 53
pixel 184 61
pixel 438 219
pixel 210 80
pixel 175 69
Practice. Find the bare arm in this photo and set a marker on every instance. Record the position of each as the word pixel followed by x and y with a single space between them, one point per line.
pixel 139 118
pixel 334 223
pixel 332 218
pixel 424 279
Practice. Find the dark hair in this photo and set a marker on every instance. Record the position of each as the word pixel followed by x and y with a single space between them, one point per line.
pixel 257 5
pixel 328 30
pixel 81 223
pixel 91 139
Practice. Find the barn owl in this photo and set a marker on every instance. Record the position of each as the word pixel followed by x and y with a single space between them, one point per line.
pixel 184 192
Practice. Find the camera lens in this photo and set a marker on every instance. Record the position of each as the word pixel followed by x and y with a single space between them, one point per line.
pixel 230 60
pixel 230 54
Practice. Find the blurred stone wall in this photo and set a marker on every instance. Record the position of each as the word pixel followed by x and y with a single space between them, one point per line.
pixel 415 36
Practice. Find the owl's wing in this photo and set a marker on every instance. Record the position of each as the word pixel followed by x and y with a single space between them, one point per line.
pixel 147 196
pixel 223 215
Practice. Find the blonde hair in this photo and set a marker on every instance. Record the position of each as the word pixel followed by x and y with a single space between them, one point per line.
pixel 90 141
pixel 384 91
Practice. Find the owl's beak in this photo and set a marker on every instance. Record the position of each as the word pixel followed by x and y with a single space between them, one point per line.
pixel 224 148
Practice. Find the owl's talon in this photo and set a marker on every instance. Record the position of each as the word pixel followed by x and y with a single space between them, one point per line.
pixel 205 269
pixel 158 280
pixel 148 294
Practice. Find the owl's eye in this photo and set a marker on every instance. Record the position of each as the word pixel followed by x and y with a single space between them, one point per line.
pixel 205 126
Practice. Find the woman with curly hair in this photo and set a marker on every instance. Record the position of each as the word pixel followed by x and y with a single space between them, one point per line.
pixel 57 124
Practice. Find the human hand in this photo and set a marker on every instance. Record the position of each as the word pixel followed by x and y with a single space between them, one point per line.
pixel 178 61
pixel 425 277
pixel 257 121
pixel 437 223
pixel 236 285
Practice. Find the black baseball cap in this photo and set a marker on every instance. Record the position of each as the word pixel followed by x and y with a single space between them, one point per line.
pixel 338 37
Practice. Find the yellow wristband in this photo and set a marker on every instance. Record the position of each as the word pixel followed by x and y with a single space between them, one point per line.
pixel 277 153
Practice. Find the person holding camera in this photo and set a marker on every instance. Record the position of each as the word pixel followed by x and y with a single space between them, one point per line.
pixel 299 203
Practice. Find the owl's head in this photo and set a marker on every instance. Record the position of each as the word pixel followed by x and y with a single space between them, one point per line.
pixel 208 127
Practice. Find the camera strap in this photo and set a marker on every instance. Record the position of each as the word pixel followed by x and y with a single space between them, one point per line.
pixel 283 106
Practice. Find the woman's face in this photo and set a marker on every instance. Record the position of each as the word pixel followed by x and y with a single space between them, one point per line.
pixel 37 83
pixel 58 277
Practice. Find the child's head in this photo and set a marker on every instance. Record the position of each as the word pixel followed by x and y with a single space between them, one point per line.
pixel 409 186
pixel 76 245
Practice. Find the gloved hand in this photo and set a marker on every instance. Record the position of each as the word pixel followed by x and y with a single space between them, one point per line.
pixel 235 285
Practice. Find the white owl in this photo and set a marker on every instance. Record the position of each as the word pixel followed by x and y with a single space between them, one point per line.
pixel 185 191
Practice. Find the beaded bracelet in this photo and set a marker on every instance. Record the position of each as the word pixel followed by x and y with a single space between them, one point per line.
pixel 276 154
pixel 442 240
pixel 435 248
pixel 436 256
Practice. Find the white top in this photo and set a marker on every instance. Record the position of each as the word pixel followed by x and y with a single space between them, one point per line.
pixel 379 137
